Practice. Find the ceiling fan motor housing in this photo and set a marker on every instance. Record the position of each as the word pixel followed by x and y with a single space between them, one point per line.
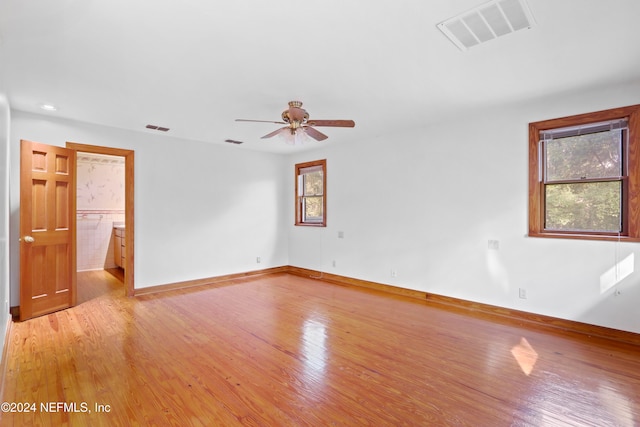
pixel 295 114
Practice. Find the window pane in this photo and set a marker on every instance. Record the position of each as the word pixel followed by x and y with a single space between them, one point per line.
pixel 313 184
pixel 312 209
pixel 589 207
pixel 592 156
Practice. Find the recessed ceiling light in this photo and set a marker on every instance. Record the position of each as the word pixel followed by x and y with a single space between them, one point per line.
pixel 48 107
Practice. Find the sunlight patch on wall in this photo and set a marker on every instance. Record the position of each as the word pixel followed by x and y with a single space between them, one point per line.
pixel 525 355
pixel 617 273
pixel 497 270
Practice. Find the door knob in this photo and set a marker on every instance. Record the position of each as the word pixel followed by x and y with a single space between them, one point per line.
pixel 29 239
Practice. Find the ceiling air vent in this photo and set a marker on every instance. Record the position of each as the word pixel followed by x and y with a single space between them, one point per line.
pixel 160 128
pixel 486 22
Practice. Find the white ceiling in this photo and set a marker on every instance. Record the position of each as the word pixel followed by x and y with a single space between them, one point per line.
pixel 194 66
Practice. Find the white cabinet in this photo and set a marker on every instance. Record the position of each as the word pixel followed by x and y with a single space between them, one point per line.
pixel 119 250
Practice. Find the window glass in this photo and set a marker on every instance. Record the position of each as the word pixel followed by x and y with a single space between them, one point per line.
pixel 587 207
pixel 591 156
pixel 312 209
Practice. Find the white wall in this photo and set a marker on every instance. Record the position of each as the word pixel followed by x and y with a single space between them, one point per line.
pixel 4 215
pixel 425 202
pixel 201 210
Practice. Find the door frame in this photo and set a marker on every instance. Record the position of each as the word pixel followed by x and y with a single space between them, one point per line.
pixel 128 204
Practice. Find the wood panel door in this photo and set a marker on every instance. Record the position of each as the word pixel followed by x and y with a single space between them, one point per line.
pixel 47 229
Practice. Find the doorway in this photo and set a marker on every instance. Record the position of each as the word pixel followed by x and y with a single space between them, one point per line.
pixel 100 223
pixel 128 240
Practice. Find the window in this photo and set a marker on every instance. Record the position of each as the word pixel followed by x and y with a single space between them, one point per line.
pixel 584 176
pixel 311 199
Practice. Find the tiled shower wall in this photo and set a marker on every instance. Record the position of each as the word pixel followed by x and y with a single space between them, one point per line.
pixel 100 203
pixel 95 239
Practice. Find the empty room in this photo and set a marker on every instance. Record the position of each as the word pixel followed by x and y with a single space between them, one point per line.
pixel 267 213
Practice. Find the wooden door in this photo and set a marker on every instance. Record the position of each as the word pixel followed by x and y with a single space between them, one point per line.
pixel 47 229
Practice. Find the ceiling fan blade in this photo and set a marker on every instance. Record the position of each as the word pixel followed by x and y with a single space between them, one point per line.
pixel 333 123
pixel 260 121
pixel 315 134
pixel 276 132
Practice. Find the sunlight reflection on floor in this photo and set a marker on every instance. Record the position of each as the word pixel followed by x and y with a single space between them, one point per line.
pixel 525 355
pixel 313 345
pixel 618 405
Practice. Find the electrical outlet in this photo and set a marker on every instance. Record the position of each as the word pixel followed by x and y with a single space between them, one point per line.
pixel 493 244
pixel 394 272
pixel 522 293
pixel 258 260
pixel 340 234
pixel 333 263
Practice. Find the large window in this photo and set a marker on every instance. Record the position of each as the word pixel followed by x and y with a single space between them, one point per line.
pixel 584 176
pixel 311 197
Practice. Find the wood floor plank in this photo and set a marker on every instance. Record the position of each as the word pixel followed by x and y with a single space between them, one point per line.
pixel 289 351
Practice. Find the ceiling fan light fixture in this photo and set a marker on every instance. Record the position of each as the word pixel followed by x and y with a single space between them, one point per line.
pixel 295 137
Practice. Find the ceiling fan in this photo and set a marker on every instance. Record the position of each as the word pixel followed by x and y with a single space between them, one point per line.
pixel 298 124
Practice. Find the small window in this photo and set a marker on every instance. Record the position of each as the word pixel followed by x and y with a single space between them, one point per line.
pixel 311 200
pixel 582 176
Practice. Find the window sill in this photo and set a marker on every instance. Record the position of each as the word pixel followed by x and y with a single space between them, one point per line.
pixel 577 236
pixel 309 224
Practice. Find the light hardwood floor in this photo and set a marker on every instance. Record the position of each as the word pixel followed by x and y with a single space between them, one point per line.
pixel 282 350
